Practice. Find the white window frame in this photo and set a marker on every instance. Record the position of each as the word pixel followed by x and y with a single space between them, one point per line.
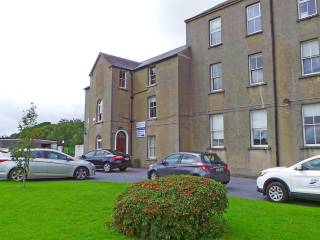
pixel 299 12
pixel 253 18
pixel 122 79
pixel 214 78
pixel 260 129
pixel 99 110
pixel 251 70
pixel 98 142
pixel 304 126
pixel 152 99
pixel 151 147
pixel 214 31
pixel 309 57
pixel 214 130
pixel 152 77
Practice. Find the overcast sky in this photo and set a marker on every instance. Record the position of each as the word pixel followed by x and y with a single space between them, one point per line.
pixel 47 48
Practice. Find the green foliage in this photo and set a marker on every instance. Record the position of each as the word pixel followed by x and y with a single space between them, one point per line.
pixel 21 153
pixel 67 133
pixel 176 207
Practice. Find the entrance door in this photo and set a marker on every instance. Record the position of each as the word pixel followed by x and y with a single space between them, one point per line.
pixel 121 142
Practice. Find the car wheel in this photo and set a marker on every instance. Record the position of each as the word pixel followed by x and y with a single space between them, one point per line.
pixel 277 192
pixel 16 174
pixel 107 167
pixel 153 175
pixel 81 173
pixel 122 169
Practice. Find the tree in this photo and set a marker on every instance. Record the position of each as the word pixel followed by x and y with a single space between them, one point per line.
pixel 21 153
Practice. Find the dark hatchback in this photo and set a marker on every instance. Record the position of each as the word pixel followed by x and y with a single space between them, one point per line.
pixel 191 163
pixel 107 160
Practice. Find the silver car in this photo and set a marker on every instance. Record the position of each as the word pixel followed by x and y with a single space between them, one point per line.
pixel 48 163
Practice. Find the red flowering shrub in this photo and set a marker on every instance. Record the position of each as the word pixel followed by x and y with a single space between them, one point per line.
pixel 176 207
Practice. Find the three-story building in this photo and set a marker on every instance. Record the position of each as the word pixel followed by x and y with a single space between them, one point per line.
pixel 246 85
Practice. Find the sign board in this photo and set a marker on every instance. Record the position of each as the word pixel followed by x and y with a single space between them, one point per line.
pixel 140 129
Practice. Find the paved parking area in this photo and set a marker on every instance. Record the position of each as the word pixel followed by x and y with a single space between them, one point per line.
pixel 240 187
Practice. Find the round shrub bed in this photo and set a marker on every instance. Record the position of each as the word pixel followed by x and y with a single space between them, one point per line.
pixel 175 207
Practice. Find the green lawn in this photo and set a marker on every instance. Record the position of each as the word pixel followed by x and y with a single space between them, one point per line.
pixel 79 210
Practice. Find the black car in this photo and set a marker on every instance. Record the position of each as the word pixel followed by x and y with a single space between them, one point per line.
pixel 191 163
pixel 106 160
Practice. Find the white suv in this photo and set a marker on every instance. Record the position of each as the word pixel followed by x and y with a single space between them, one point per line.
pixel 300 180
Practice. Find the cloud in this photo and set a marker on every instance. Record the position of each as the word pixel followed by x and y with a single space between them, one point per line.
pixel 48 47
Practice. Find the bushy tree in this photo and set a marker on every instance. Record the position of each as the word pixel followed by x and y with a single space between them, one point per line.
pixel 21 152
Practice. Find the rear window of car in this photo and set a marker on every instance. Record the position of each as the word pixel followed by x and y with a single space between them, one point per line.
pixel 188 159
pixel 211 158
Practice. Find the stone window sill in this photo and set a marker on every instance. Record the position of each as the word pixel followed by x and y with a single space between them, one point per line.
pixel 254 34
pixel 257 85
pixel 309 147
pixel 307 18
pixel 266 148
pixel 309 76
pixel 216 92
pixel 215 46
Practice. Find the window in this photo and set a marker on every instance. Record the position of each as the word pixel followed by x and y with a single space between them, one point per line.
pixel 259 128
pixel 216 77
pixel 217 131
pixel 173 159
pixel 102 153
pixel 98 142
pixel 152 107
pixel 215 32
pixel 122 79
pixel 307 8
pixel 256 69
pixel 37 154
pixel 189 159
pixel 99 110
pixel 55 156
pixel 310 57
pixel 311 124
pixel 90 154
pixel 152 76
pixel 151 147
pixel 254 19
pixel 312 165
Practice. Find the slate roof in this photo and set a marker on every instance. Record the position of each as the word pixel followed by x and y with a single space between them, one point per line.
pixel 213 9
pixel 162 57
pixel 132 65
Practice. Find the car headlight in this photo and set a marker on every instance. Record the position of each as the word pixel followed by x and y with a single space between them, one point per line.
pixel 262 173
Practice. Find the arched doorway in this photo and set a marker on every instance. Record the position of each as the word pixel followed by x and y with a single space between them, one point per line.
pixel 122 141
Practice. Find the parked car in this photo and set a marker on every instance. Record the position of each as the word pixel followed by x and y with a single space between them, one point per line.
pixel 300 180
pixel 118 153
pixel 106 160
pixel 48 163
pixel 191 163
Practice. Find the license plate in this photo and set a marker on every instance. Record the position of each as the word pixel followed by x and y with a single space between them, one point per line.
pixel 126 159
pixel 219 169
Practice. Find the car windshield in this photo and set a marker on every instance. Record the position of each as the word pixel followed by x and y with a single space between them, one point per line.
pixel 211 158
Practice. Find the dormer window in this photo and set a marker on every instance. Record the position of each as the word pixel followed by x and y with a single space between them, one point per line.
pixel 152 76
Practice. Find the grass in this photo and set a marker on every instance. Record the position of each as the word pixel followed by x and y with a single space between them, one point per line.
pixel 79 210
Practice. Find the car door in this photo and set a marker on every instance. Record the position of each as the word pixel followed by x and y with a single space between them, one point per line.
pixel 38 165
pixel 307 180
pixel 101 157
pixel 169 165
pixel 188 164
pixel 58 164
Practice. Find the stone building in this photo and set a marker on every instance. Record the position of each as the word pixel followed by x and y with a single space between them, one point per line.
pixel 246 85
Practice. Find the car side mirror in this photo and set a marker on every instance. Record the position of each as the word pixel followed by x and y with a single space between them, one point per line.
pixel 83 156
pixel 164 163
pixel 299 168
